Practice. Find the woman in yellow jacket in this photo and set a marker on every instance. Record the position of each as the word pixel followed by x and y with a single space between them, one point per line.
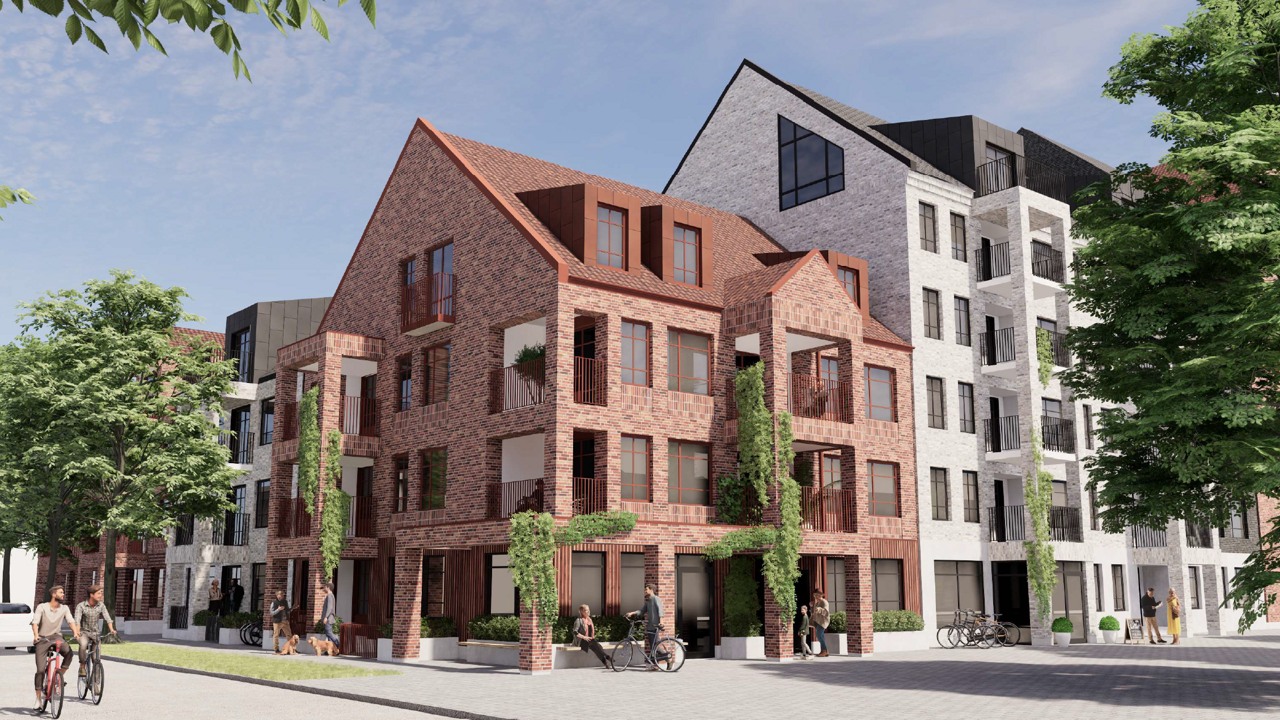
pixel 1175 615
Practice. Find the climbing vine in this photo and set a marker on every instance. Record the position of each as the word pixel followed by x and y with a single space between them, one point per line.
pixel 741 599
pixel 782 561
pixel 741 496
pixel 335 513
pixel 1044 355
pixel 1042 570
pixel 308 448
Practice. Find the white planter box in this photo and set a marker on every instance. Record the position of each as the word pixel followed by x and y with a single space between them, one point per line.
pixel 229 636
pixel 193 634
pixel 741 648
pixel 491 652
pixel 140 627
pixel 837 643
pixel 900 641
pixel 1062 639
pixel 570 656
pixel 445 648
pixel 384 649
pixel 1110 636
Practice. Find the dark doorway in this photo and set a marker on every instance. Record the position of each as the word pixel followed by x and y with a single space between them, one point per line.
pixel 361 590
pixel 804 595
pixel 694 591
pixel 1068 597
pixel 1011 594
pixel 999 523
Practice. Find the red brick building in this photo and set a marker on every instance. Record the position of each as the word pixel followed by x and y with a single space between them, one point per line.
pixel 646 306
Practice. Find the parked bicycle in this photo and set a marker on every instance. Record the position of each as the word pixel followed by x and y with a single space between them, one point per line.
pixel 667 653
pixel 52 690
pixel 251 633
pixel 92 682
pixel 971 628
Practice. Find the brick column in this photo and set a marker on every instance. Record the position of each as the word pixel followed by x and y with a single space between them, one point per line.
pixel 659 571
pixel 858 604
pixel 405 626
pixel 778 642
pixel 535 646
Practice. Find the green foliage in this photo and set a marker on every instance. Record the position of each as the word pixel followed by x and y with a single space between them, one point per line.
pixel 742 599
pixel 309 448
pixel 895 621
pixel 804 471
pixel 335 516
pixel 386 630
pixel 438 627
pixel 755 437
pixel 1062 625
pixel 10 196
pixel 595 525
pixel 839 622
pixel 736 541
pixel 529 353
pixel 1044 355
pixel 1042 569
pixel 201 618
pixel 495 627
pixel 781 563
pixel 1109 623
pixel 608 628
pixel 319 626
pixel 235 621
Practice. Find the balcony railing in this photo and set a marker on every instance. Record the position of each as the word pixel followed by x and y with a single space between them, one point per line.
pixel 590 379
pixel 519 385
pixel 240 445
pixel 1145 537
pixel 1002 433
pixel 1047 263
pixel 1064 524
pixel 509 498
pixel 814 397
pixel 1199 536
pixel 1058 343
pixel 178 617
pixel 362 520
pixel 359 416
pixel 185 532
pixel 589 496
pixel 992 261
pixel 231 529
pixel 1059 434
pixel 427 301
pixel 286 421
pixel 1007 523
pixel 827 509
pixel 997 175
pixel 295 521
pixel 999 346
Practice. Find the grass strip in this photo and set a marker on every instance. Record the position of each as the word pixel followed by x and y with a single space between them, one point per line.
pixel 283 669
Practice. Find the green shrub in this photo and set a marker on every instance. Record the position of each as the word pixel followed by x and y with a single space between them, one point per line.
pixel 1062 625
pixel 385 630
pixel 742 599
pixel 495 627
pixel 201 618
pixel 839 622
pixel 319 628
pixel 234 621
pixel 438 627
pixel 1108 623
pixel 608 628
pixel 896 621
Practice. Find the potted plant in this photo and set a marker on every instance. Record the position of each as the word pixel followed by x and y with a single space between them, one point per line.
pixel 438 639
pixel 742 638
pixel 1110 628
pixel 385 632
pixel 528 366
pixel 837 639
pixel 1062 629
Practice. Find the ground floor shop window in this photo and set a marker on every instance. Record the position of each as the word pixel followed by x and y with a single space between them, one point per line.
pixel 632 581
pixel 433 586
pixel 957 586
pixel 502 592
pixel 886 584
pixel 588 581
pixel 835 584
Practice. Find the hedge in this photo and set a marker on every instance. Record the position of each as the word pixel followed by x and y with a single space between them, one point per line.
pixel 438 627
pixel 495 627
pixel 608 628
pixel 838 622
pixel 896 621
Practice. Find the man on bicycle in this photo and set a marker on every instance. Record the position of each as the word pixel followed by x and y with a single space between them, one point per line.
pixel 89 616
pixel 651 612
pixel 46 629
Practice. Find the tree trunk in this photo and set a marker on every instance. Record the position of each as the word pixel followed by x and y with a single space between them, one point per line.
pixel 5 581
pixel 109 570
pixel 51 575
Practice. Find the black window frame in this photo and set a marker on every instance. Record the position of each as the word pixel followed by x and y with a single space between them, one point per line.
pixel 404 383
pixel 964 329
pixel 1088 427
pixel 1117 588
pixel 831 182
pixel 262 503
pixel 932 300
pixel 967 407
pixel 1194 581
pixel 240 349
pixel 959 251
pixel 267 422
pixel 435 479
pixel 940 493
pixel 936 398
pixel 928 215
pixel 972 501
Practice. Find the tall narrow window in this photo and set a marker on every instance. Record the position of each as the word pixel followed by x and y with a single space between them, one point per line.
pixel 404 373
pixel 937 403
pixel 635 468
pixel 435 466
pixel 268 421
pixel 959 246
pixel 1226 589
pixel 1095 522
pixel 262 503
pixel 1097 587
pixel 433 586
pixel 963 336
pixel 687 473
pixel 971 502
pixel 686 255
pixel 881 400
pixel 809 166
pixel 1194 579
pixel 1117 587
pixel 688 362
pixel 852 283
pixel 402 484
pixel 884 488
pixel 1059 493
pixel 242 353
pixel 968 423
pixel 1088 427
pixel 830 471
pixel 928 227
pixel 442 260
pixel 438 373
pixel 940 490
pixel 886 584
pixel 932 315
pixel 635 353
pixel 611 233
pixel 408 272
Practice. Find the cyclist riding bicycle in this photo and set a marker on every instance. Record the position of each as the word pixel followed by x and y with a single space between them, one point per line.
pixel 89 616
pixel 46 629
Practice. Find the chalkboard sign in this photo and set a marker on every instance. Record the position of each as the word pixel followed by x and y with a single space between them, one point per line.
pixel 1135 629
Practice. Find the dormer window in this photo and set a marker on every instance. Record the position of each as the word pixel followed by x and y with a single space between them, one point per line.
pixel 809 166
pixel 687 249
pixel 849 279
pixel 611 233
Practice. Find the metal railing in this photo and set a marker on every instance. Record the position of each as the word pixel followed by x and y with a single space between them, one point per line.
pixel 231 529
pixel 240 445
pixel 1064 524
pixel 185 532
pixel 509 498
pixel 1145 537
pixel 286 421
pixel 358 640
pixel 359 416
pixel 1002 434
pixel 1007 523
pixel 427 300
pixel 814 397
pixel 992 261
pixel 295 521
pixel 1059 434
pixel 362 521
pixel 1002 174
pixel 590 495
pixel 179 617
pixel 1058 343
pixel 590 380
pixel 999 346
pixel 1199 536
pixel 518 385
pixel 1047 263
pixel 827 509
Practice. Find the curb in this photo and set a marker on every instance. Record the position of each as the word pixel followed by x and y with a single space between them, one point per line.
pixel 369 700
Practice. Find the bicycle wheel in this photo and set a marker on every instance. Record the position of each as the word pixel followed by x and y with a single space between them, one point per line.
pixel 948 637
pixel 55 702
pixel 669 654
pixel 255 634
pixel 244 634
pixel 82 681
pixel 1012 634
pixel 623 654
pixel 998 635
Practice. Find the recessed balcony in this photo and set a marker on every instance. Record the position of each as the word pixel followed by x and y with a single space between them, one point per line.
pixel 426 305
pixel 999 352
pixel 1003 438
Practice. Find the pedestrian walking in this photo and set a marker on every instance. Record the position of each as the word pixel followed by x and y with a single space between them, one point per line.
pixel 802 632
pixel 1175 615
pixel 584 636
pixel 279 621
pixel 821 618
pixel 235 595
pixel 1148 604
pixel 329 613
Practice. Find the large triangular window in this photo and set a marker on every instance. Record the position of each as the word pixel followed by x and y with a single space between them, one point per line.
pixel 809 166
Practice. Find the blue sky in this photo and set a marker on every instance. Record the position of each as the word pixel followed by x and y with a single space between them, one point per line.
pixel 241 192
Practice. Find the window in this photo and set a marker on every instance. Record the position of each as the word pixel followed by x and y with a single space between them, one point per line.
pixel 1194 579
pixel 502 591
pixel 435 468
pixel 968 423
pixel 1059 493
pixel 261 503
pixel 404 371
pixel 1095 522
pixel 442 260
pixel 941 491
pixel 635 468
pixel 158 600
pixel 959 246
pixel 999 173
pixel 433 586
pixel 1117 587
pixel 438 373
pixel 632 581
pixel 886 584
pixel 402 484
pixel 809 167
pixel 408 271
pixel 884 488
pixel 852 283
pixel 971 504
pixel 937 403
pixel 1088 428
pixel 1236 527
pixel 635 353
pixel 928 227
pixel 957 586
pixel 830 471
pixel 1226 589
pixel 587 582
pixel 686 255
pixel 881 402
pixel 268 421
pixel 688 362
pixel 687 473
pixel 1097 587
pixel 1051 408
pixel 932 315
pixel 611 233
pixel 242 353
pixel 963 336
pixel 836 584
pixel 257 586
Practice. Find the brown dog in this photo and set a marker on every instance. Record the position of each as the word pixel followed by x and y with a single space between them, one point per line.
pixel 290 646
pixel 323 646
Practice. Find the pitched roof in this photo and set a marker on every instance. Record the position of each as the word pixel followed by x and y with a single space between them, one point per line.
pixel 180 333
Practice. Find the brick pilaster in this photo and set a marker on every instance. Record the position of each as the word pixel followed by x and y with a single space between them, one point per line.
pixel 406 629
pixel 778 643
pixel 535 646
pixel 858 603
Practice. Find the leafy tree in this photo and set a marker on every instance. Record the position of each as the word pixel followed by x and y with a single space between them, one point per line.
pixel 10 196
pixel 131 417
pixel 1181 279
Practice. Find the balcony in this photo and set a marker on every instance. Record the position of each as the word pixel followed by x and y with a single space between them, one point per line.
pixel 359 416
pixel 426 305
pixel 185 532
pixel 1064 524
pixel 231 529
pixel 1145 537
pixel 1007 523
pixel 1002 174
pixel 286 421
pixel 240 445
pixel 519 385
pixel 589 496
pixel 1058 344
pixel 1059 435
pixel 295 521
pixel 1047 263
pixel 827 510
pixel 997 348
pixel 362 522
pixel 509 498
pixel 590 379
pixel 992 262
pixel 1002 434
pixel 814 397
pixel 1199 536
